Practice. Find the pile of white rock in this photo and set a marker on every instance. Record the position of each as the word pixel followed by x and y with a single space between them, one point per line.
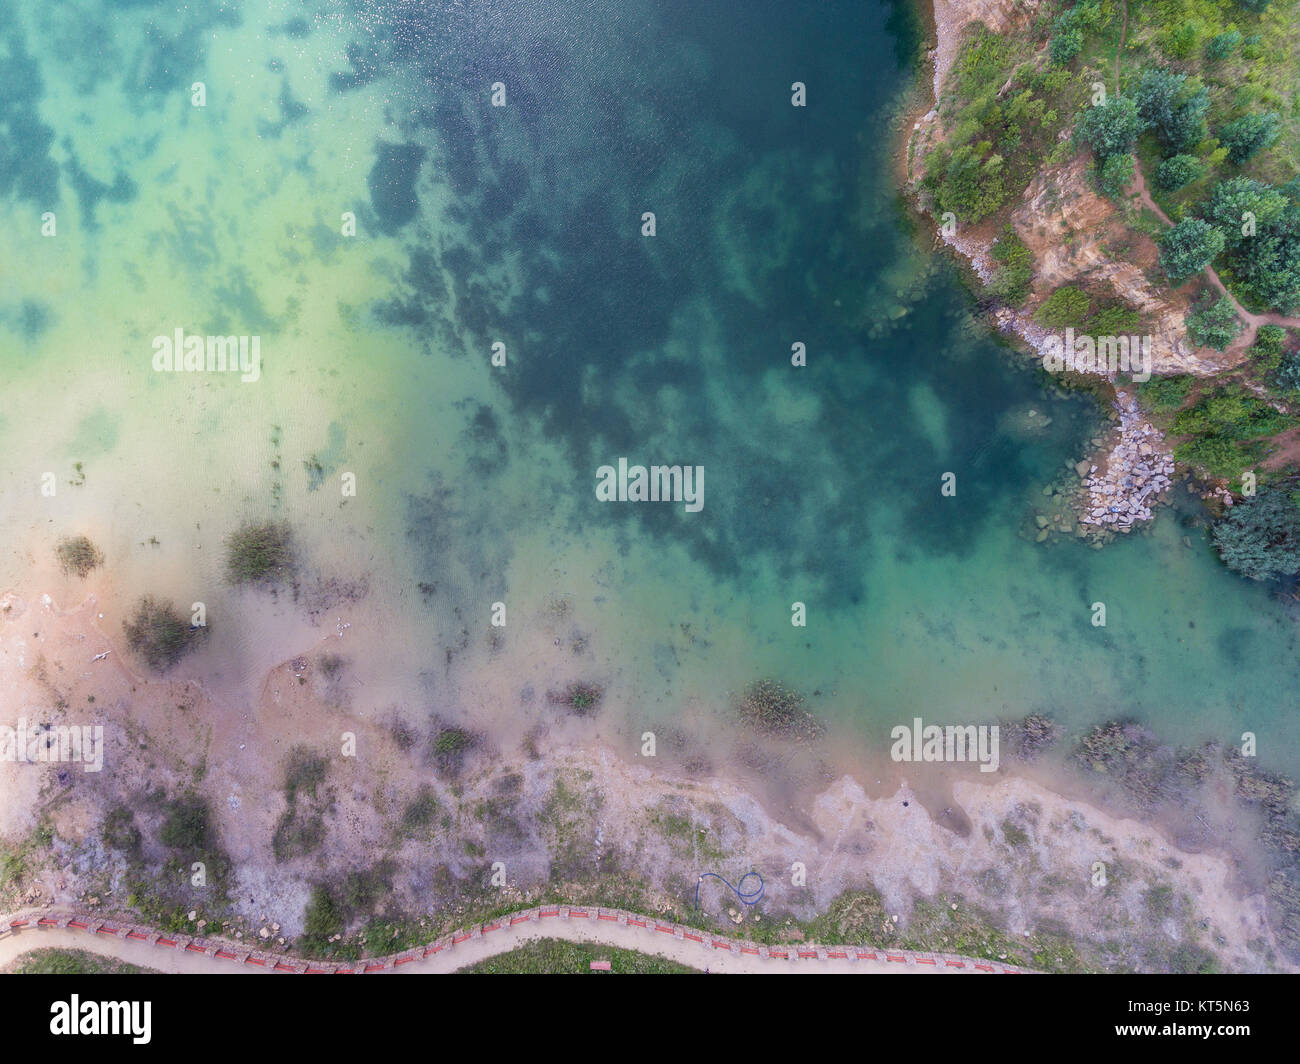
pixel 1138 470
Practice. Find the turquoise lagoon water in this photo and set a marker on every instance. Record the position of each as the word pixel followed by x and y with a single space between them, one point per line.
pixel 522 225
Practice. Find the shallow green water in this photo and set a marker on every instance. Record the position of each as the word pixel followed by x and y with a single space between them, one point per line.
pixel 522 225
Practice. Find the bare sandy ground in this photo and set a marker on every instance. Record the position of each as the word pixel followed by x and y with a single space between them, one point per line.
pixel 570 801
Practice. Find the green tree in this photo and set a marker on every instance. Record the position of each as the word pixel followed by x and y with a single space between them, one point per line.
pixel 1116 175
pixel 1188 247
pixel 1067 42
pixel 1175 107
pixel 1261 225
pixel 1215 325
pixel 1249 135
pixel 1260 537
pixel 1233 200
pixel 1271 263
pixel 1177 171
pixel 1111 128
pixel 1288 374
pixel 1266 352
pixel 1222 45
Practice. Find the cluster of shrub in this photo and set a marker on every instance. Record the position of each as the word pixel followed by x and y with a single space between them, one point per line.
pixel 1254 226
pixel 258 555
pixel 987 157
pixel 1225 432
pixel 1225 429
pixel 1181 32
pixel 984 164
pixel 1069 27
pixel 1172 105
pixel 1074 307
pixel 1260 536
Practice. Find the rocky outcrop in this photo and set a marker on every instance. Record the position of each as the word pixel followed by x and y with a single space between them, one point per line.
pixel 1136 472
pixel 1072 232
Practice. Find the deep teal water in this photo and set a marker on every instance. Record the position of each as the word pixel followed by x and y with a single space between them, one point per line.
pixel 521 224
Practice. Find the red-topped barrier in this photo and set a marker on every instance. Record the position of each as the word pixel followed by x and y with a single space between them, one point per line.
pixel 225 950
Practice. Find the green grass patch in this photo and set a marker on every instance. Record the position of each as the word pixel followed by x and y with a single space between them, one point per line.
pixel 552 956
pixel 1164 394
pixel 78 555
pixel 1224 430
pixel 768 707
pixel 159 634
pixel 260 554
pixel 72 962
pixel 301 827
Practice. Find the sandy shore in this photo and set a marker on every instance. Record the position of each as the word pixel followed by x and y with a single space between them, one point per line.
pixel 1012 846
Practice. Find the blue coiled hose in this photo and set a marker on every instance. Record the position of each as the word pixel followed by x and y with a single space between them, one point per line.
pixel 749 897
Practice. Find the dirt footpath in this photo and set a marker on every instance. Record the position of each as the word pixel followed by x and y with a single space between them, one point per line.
pixel 698 949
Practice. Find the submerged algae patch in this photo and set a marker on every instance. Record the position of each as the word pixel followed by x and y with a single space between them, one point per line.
pixel 392 184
